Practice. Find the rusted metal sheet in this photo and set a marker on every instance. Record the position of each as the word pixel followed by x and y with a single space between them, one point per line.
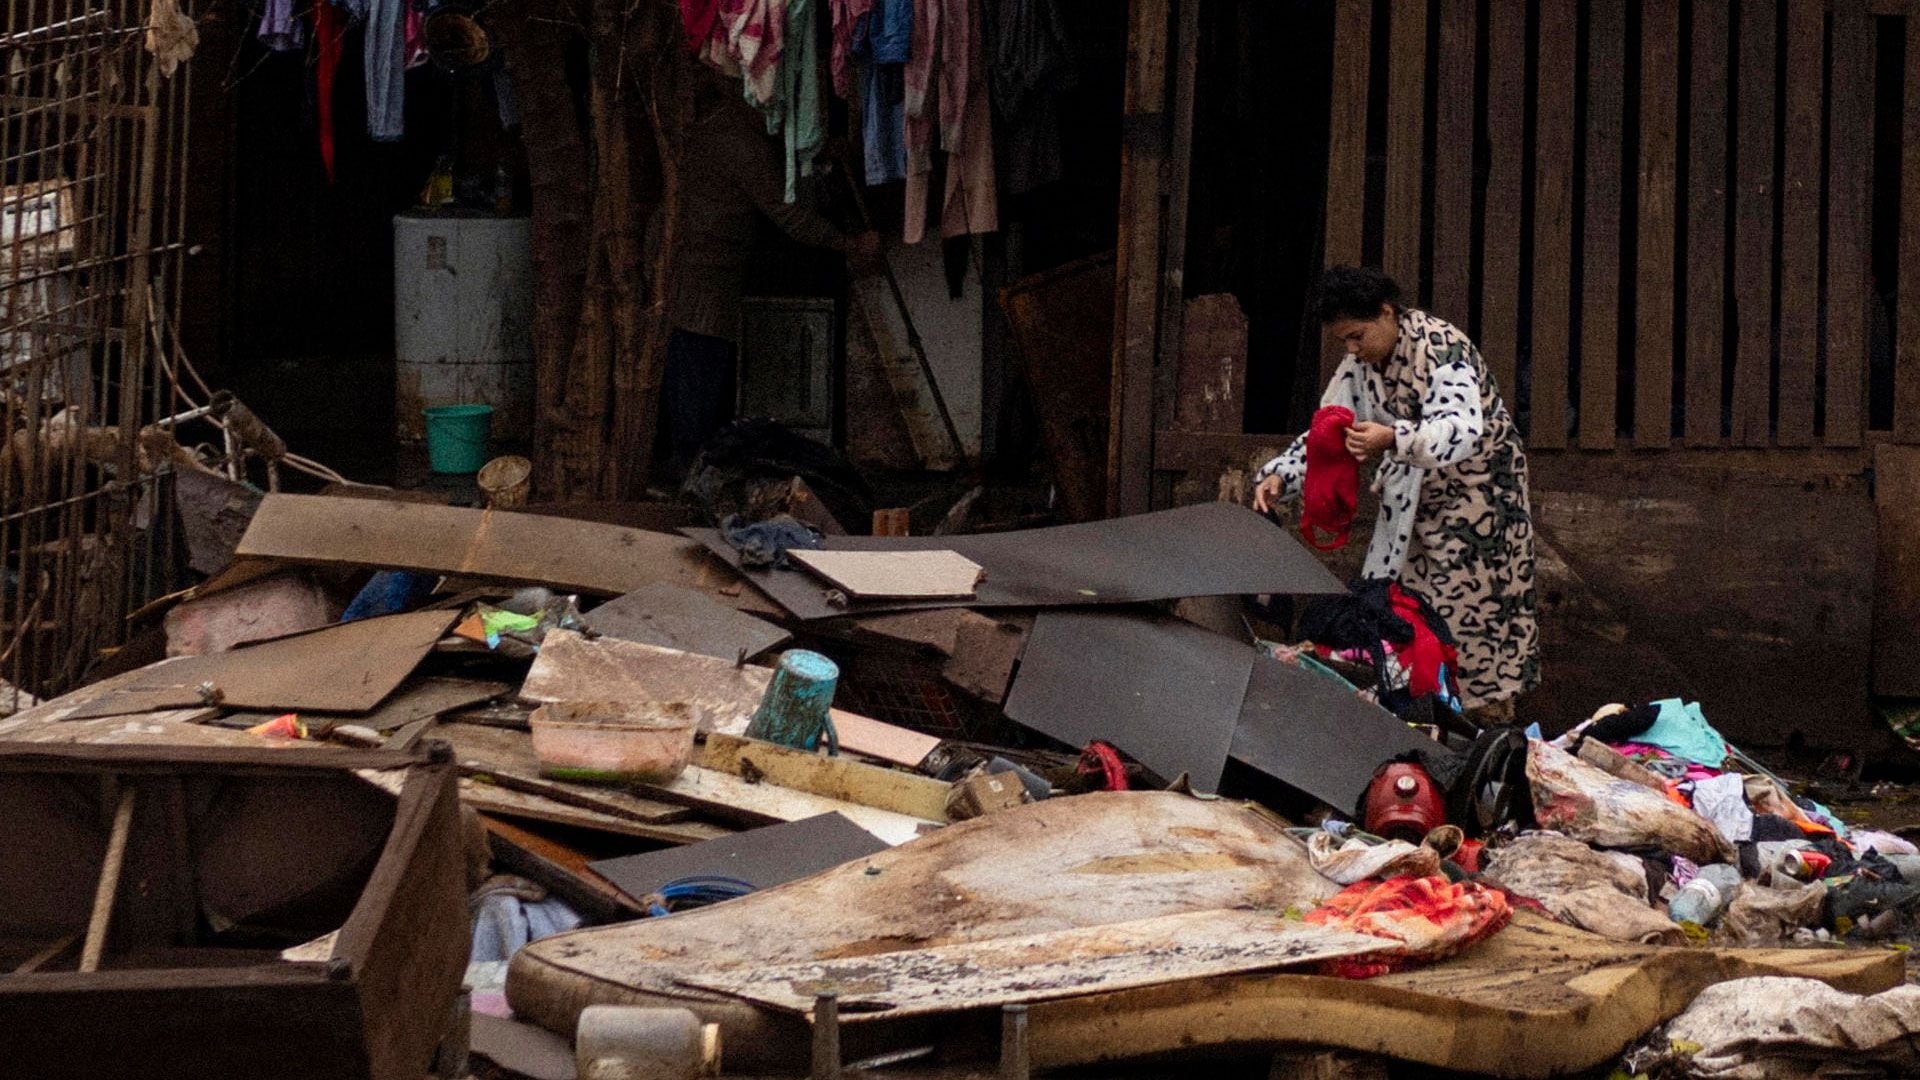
pixel 1042 967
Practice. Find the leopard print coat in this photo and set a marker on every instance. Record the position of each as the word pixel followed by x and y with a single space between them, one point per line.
pixel 1454 517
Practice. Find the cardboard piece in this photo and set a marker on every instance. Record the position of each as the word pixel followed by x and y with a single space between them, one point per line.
pixel 1165 691
pixel 416 700
pixel 763 857
pixel 572 668
pixel 675 617
pixel 894 575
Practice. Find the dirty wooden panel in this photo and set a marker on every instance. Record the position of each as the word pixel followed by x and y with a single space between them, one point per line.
pixel 1654 289
pixel 764 857
pixel 874 739
pixel 1506 136
pixel 1896 593
pixel 1754 224
pixel 1062 324
pixel 1800 221
pixel 985 652
pixel 1552 230
pixel 731 798
pixel 1906 372
pixel 1212 383
pixel 831 777
pixel 894 575
pixel 1044 967
pixel 1706 220
pixel 490 798
pixel 1849 207
pixel 562 870
pixel 1346 208
pixel 507 759
pixel 1406 142
pixel 1136 308
pixel 1453 167
pixel 1163 690
pixel 416 700
pixel 1600 258
pixel 573 555
pixel 675 617
pixel 572 668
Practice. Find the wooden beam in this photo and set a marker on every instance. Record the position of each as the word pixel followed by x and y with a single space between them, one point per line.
pixel 109 887
pixel 1600 262
pixel 1906 375
pixel 1654 284
pixel 1754 222
pixel 1406 143
pixel 1507 132
pixel 1800 221
pixel 1453 164
pixel 832 777
pixel 1849 211
pixel 1346 209
pixel 1552 227
pixel 1143 146
pixel 1706 222
pixel 1179 173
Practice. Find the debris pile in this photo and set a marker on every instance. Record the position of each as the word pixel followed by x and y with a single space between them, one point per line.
pixel 816 797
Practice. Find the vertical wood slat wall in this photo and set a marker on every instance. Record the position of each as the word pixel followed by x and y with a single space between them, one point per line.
pixel 1655 216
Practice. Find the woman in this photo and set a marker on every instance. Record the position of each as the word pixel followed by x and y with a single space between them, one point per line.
pixel 1454 522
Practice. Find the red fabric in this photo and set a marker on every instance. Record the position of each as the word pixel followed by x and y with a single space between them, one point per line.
pixel 1100 757
pixel 329 26
pixel 1427 918
pixel 697 17
pixel 1421 657
pixel 1331 488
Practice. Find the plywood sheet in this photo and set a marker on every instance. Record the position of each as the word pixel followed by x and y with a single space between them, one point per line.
pixel 734 798
pixel 894 575
pixel 492 798
pixel 887 742
pixel 1164 690
pixel 763 857
pixel 507 758
pixel 676 617
pixel 834 777
pixel 1211 549
pixel 572 668
pixel 416 700
pixel 1306 731
pixel 345 668
pixel 1043 967
pixel 175 728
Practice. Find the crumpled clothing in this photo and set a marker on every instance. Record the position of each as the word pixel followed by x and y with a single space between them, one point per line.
pixel 1330 491
pixel 1593 890
pixel 280 29
pixel 845 16
pixel 509 912
pixel 1762 916
pixel 766 543
pixel 1356 860
pixel 1766 796
pixel 1683 731
pixel 172 36
pixel 881 38
pixel 1723 801
pixel 1592 806
pixel 1770 1028
pixel 946 91
pixel 1429 918
pixel 1883 842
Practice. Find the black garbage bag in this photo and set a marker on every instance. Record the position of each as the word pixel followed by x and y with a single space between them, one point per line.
pixel 751 452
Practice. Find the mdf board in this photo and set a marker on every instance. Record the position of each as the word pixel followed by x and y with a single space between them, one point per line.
pixel 1805 47
pixel 1654 291
pixel 1849 246
pixel 894 575
pixel 1706 220
pixel 1406 142
pixel 1453 163
pixel 1506 133
pixel 1552 229
pixel 1346 209
pixel 1600 259
pixel 1753 225
pixel 1906 372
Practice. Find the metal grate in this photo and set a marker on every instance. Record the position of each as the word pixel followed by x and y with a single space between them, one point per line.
pixel 901 687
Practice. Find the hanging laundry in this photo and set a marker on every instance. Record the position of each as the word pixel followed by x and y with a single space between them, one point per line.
pixel 882 38
pixel 280 29
pixel 946 89
pixel 698 19
pixel 384 56
pixel 416 46
pixel 846 16
pixel 1331 489
pixel 794 113
pixel 329 26
pixel 748 40
pixel 1029 62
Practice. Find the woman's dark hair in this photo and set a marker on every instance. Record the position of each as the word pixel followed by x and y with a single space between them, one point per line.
pixel 1353 292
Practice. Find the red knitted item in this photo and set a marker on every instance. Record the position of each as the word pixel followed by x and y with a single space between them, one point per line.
pixel 1331 488
pixel 1422 656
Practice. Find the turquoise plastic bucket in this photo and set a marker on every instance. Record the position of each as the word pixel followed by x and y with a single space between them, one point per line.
pixel 457 437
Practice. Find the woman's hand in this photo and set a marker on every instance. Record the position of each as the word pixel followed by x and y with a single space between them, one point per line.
pixel 1365 439
pixel 1265 493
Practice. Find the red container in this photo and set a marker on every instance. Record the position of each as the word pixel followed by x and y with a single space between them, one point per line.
pixel 1403 803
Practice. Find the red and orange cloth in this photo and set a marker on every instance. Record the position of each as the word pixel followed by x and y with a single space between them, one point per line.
pixel 1429 918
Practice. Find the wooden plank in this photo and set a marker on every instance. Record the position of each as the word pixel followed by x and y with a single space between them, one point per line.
pixel 417 700
pixel 1043 967
pixel 1500 289
pixel 561 869
pixel 108 890
pixel 1600 259
pixel 894 575
pixel 1754 223
pixel 571 668
pixel 676 617
pixel 832 777
pixel 1144 136
pixel 1346 209
pixel 1179 187
pixel 1800 221
pixel 1906 374
pixel 512 803
pixel 1406 143
pixel 1896 592
pixel 733 798
pixel 1654 284
pixel 1453 163
pixel 507 758
pixel 1552 229
pixel 575 556
pixel 871 738
pixel 1849 210
pixel 1706 221
pixel 1211 384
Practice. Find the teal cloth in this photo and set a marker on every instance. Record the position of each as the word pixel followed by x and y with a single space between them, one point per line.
pixel 794 111
pixel 1682 730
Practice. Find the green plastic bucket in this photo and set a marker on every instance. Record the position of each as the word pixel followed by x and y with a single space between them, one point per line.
pixel 457 437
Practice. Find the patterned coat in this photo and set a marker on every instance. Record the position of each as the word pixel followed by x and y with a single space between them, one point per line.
pixel 1454 518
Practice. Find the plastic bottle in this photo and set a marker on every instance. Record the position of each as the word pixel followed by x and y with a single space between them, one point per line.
pixel 1702 900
